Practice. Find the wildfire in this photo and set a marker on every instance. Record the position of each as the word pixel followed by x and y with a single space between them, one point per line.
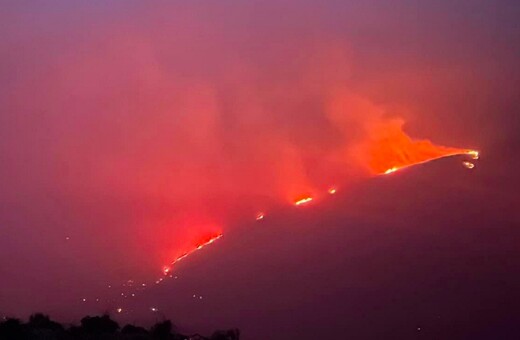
pixel 388 148
pixel 474 155
pixel 198 246
pixel 413 153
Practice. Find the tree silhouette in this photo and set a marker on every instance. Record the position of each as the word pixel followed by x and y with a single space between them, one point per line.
pixel 231 334
pixel 162 330
pixel 41 321
pixel 12 329
pixel 41 327
pixel 134 330
pixel 99 324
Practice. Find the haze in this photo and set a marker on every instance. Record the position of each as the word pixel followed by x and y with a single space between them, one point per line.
pixel 129 130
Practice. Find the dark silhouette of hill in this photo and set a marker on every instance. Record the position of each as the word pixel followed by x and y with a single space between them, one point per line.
pixel 41 327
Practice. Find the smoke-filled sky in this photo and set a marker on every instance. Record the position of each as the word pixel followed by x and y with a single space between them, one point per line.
pixel 132 131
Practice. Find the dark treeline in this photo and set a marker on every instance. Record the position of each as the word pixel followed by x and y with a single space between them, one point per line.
pixel 41 327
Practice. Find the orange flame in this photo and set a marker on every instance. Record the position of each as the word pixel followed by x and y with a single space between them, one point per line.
pixel 391 149
pixel 303 201
pixel 198 246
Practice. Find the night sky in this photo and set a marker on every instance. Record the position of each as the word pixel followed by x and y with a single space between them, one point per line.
pixel 133 132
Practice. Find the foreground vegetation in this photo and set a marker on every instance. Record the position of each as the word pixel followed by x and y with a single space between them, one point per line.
pixel 41 327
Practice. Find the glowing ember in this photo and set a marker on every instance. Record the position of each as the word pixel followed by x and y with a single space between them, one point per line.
pixel 260 216
pixel 303 201
pixel 332 191
pixel 473 153
pixel 391 170
pixel 468 165
pixel 180 257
